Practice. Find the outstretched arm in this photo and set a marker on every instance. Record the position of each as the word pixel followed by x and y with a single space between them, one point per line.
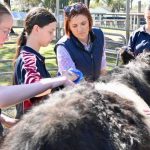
pixel 10 95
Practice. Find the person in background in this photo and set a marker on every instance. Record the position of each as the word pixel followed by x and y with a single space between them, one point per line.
pixel 139 40
pixel 10 95
pixel 82 46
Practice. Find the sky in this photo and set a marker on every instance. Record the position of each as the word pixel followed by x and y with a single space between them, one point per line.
pixel 143 1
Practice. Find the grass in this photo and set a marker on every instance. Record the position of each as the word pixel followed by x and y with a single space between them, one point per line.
pixel 8 53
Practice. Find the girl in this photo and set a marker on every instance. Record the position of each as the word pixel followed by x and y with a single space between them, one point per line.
pixel 39 29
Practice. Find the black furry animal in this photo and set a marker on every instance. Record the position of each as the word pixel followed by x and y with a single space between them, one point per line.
pixel 105 115
pixel 126 57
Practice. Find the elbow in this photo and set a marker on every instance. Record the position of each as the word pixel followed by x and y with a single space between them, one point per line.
pixel 2 105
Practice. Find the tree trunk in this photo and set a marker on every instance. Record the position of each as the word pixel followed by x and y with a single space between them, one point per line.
pixel 7 2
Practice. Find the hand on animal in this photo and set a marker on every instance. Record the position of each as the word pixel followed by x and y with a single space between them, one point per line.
pixel 70 75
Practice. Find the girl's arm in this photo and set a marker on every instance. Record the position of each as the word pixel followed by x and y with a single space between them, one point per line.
pixel 10 95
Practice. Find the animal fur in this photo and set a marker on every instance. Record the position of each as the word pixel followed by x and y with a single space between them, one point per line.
pixel 105 115
pixel 126 57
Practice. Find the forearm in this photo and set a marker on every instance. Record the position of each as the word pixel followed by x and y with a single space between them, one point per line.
pixel 10 95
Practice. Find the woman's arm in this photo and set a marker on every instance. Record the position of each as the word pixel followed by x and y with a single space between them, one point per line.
pixel 64 59
pixel 10 95
pixel 103 69
pixel 65 63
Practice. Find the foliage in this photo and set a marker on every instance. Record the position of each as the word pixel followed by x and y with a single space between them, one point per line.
pixel 116 5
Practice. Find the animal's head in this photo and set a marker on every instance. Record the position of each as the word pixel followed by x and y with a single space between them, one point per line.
pixel 126 56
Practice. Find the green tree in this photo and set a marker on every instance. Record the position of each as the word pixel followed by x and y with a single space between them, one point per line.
pixel 116 5
pixel 50 4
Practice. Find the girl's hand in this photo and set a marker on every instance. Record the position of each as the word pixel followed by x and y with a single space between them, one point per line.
pixel 68 82
pixel 7 121
pixel 69 75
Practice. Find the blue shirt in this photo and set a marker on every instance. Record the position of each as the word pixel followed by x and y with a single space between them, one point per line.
pixel 139 41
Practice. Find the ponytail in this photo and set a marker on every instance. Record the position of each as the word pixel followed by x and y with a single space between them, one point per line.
pixel 21 41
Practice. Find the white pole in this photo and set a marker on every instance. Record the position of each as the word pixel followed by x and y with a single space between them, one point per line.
pixel 127 20
pixel 57 17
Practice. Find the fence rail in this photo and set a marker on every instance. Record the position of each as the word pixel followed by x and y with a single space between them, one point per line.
pixel 113 41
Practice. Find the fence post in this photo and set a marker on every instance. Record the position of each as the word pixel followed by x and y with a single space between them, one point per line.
pixel 127 20
pixel 57 17
pixel 139 11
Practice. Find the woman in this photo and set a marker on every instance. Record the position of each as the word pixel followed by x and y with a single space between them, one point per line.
pixel 139 40
pixel 82 47
pixel 10 95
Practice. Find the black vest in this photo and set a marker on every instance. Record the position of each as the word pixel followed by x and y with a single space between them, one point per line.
pixel 89 62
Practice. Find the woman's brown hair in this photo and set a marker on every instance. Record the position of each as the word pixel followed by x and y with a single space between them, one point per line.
pixel 74 10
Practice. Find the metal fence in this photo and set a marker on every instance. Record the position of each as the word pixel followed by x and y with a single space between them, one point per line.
pixel 117 21
pixel 113 41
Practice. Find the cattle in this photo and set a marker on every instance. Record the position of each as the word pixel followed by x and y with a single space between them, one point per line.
pixel 105 115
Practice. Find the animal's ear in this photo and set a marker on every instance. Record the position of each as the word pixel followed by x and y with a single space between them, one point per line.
pixel 126 56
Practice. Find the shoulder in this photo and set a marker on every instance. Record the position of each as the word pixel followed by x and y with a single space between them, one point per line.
pixel 27 56
pixel 97 30
pixel 97 33
pixel 62 40
pixel 138 31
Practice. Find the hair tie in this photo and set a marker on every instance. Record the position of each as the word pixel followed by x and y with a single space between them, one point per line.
pixel 24 32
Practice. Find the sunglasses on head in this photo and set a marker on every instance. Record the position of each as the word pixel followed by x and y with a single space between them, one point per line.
pixel 74 8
